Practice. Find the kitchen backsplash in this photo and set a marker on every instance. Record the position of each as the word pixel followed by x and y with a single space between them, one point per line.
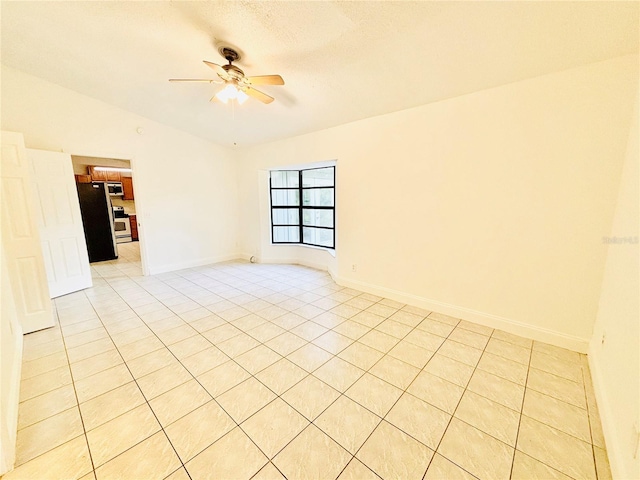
pixel 129 205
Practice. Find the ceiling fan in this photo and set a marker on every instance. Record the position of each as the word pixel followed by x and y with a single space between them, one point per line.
pixel 237 85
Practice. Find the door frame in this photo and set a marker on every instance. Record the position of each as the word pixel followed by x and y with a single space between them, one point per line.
pixel 127 156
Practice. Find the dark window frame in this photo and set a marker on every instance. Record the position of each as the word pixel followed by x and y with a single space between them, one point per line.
pixel 300 207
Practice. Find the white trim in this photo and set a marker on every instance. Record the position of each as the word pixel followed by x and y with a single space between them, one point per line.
pixel 292 261
pixel 238 256
pixel 332 272
pixel 330 251
pixel 245 256
pixel 515 327
pixel 171 267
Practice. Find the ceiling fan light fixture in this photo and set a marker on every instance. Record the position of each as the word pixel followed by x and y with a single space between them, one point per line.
pixel 231 92
pixel 227 93
pixel 241 97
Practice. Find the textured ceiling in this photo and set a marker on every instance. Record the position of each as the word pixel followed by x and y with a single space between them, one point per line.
pixel 341 61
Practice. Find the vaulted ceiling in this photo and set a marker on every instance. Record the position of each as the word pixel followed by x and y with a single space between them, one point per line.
pixel 341 61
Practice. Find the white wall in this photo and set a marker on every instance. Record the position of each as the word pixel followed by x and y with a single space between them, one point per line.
pixel 615 363
pixel 186 190
pixel 491 206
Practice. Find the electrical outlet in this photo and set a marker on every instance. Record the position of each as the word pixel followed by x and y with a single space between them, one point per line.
pixel 354 267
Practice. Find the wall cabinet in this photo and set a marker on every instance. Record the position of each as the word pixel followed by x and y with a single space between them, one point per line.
pixel 83 178
pixel 96 175
pixel 134 227
pixel 113 177
pixel 127 188
pixel 102 176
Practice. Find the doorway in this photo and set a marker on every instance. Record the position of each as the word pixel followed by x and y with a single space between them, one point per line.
pixel 115 176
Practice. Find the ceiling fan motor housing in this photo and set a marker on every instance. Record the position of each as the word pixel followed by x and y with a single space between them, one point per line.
pixel 234 72
pixel 229 54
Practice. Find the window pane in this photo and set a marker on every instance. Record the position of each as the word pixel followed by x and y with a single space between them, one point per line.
pixel 285 198
pixel 286 216
pixel 286 234
pixel 318 177
pixel 317 218
pixel 318 197
pixel 284 178
pixel 318 236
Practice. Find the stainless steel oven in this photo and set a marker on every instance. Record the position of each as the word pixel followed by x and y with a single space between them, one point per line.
pixel 122 225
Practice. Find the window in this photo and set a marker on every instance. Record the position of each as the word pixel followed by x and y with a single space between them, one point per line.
pixel 303 206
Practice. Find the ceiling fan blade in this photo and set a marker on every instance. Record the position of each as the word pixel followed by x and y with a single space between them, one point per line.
pixel 266 80
pixel 258 95
pixel 222 73
pixel 208 80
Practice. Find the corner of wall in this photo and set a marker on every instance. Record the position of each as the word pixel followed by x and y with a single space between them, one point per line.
pixel 605 409
pixel 614 357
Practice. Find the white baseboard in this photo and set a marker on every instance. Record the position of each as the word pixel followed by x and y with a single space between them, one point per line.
pixel 232 256
pixel 292 261
pixel 171 267
pixel 515 327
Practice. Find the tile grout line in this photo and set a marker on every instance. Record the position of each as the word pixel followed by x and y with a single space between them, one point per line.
pixel 586 401
pixel 524 396
pixel 260 283
pixel 403 391
pixel 334 355
pixel 553 426
pixel 452 414
pixel 369 372
pixel 372 329
pixel 75 392
pixel 146 401
pixel 212 398
pixel 280 396
pixel 311 422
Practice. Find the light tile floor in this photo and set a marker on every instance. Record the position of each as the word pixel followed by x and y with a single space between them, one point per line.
pixel 238 370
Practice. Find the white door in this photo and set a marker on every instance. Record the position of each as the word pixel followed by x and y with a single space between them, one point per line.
pixel 20 238
pixel 10 360
pixel 57 212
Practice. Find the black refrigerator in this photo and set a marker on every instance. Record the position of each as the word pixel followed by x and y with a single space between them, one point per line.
pixel 97 220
